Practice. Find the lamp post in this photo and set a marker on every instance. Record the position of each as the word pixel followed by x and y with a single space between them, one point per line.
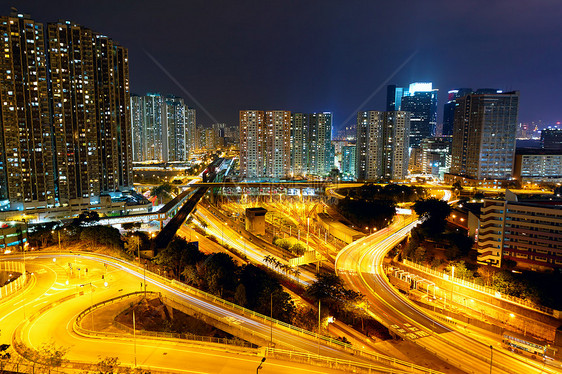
pixel 271 318
pixel 259 367
pixel 92 303
pixel 491 357
pixel 307 230
pixel 244 243
pixel 319 326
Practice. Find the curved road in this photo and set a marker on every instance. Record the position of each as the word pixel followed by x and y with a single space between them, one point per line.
pixel 55 324
pixel 360 265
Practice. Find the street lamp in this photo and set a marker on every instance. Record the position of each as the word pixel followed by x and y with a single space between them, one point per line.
pixel 491 357
pixel 244 243
pixel 259 367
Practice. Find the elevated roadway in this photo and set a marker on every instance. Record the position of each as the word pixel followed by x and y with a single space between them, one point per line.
pixel 360 264
pixel 56 299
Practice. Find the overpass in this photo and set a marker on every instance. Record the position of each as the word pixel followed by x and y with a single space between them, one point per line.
pixel 169 230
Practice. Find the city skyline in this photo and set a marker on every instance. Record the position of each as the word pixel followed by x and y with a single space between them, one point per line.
pixel 325 58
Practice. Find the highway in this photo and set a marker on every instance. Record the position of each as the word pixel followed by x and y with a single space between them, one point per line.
pixel 360 264
pixel 244 243
pixel 56 324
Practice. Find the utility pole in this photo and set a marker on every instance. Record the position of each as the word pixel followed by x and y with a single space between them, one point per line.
pixel 307 231
pixel 92 303
pixel 319 325
pixel 135 337
pixel 491 357
pixel 271 317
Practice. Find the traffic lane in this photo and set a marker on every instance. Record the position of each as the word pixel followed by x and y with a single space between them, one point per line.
pixel 305 342
pixel 22 305
pixel 395 304
pixel 157 354
pixel 378 282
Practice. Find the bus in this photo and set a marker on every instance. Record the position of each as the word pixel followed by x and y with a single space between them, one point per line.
pixel 528 346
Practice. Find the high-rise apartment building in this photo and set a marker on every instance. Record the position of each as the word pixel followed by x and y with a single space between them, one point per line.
pixel 484 136
pixel 275 144
pixel 436 156
pixel 27 172
pixel 137 128
pixel 348 162
pixel 382 145
pixel 147 126
pixel 396 137
pixel 208 139
pixel 89 78
pixel 163 128
pixel 175 132
pixel 278 146
pixel 320 154
pixel 74 111
pixel 299 144
pixel 65 125
pixel 420 99
pixel 191 130
pixel 112 97
pixel 449 109
pixel 369 145
pixel 252 144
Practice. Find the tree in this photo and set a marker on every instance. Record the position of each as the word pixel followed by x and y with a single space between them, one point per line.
pixel 50 356
pixel 264 291
pixel 283 244
pixel 457 187
pixel 298 249
pixel 131 225
pixel 458 245
pixel 192 275
pixel 220 273
pixel 461 270
pixel 163 192
pixel 240 295
pixel 434 212
pixel 88 217
pixel 102 236
pixel 109 365
pixel 330 290
pixel 370 213
pixel 419 254
pixel 40 235
pixel 178 254
pixel 132 244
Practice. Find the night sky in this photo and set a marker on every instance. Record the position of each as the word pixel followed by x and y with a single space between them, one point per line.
pixel 313 56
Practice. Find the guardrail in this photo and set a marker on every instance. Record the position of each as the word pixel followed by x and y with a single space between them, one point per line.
pixel 18 283
pixel 157 334
pixel 185 336
pixel 329 362
pixel 477 287
pixel 326 340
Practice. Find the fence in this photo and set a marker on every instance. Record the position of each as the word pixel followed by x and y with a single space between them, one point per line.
pixel 386 360
pixel 14 285
pixel 330 362
pixel 478 287
pixel 156 334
